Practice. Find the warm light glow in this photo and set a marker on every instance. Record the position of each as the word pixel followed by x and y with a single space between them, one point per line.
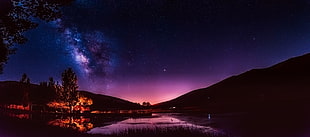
pixel 84 101
pixel 60 105
pixel 82 105
pixel 80 124
pixel 20 116
pixel 19 107
pixel 141 111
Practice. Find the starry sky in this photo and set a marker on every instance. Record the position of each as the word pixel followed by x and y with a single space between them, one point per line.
pixel 156 50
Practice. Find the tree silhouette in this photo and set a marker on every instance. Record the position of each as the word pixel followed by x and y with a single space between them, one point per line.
pixel 69 93
pixel 51 82
pixel 26 83
pixel 16 17
pixel 146 104
pixel 25 79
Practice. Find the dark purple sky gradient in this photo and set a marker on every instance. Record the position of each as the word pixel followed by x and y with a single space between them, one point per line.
pixel 156 50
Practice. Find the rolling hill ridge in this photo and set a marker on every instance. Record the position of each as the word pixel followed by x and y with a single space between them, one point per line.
pixel 12 92
pixel 285 85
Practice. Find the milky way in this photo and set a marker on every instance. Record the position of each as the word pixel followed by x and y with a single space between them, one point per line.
pixel 90 50
pixel 156 50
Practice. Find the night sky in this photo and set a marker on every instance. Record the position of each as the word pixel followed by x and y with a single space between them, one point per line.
pixel 156 50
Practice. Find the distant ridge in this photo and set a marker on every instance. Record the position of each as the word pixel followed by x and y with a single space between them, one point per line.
pixel 104 102
pixel 284 85
pixel 12 92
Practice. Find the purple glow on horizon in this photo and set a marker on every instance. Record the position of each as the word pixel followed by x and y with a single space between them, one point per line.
pixel 154 90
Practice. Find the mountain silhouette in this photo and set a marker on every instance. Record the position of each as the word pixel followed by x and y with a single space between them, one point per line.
pixel 283 86
pixel 12 92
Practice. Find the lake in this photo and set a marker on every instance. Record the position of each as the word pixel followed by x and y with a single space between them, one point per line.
pixel 159 120
pixel 232 124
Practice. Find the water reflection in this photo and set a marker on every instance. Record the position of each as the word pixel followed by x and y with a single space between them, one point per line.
pixel 20 116
pixel 80 124
pixel 114 125
pixel 234 124
pixel 151 123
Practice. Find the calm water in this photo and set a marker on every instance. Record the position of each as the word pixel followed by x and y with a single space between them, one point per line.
pixel 262 124
pixel 152 122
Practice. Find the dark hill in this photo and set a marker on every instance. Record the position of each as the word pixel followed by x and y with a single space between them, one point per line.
pixel 285 85
pixel 12 92
pixel 103 102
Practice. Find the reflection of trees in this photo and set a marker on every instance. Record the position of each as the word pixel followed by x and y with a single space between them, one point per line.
pixel 84 124
pixel 80 124
pixel 20 116
pixel 17 16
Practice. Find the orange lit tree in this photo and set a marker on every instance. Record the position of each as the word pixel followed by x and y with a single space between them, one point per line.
pixel 69 94
pixel 68 98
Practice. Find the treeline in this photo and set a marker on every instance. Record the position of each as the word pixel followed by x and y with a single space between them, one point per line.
pixel 67 95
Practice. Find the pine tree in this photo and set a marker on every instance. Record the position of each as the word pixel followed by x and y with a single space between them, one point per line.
pixel 69 93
